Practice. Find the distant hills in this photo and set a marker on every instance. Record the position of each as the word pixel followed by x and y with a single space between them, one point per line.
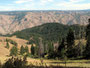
pixel 13 21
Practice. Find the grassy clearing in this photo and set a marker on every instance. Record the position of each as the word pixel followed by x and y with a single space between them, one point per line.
pixel 69 63
pixel 45 62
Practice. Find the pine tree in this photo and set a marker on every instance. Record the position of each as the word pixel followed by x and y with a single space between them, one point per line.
pixel 70 38
pixel 36 50
pixel 26 49
pixel 22 50
pixel 70 43
pixel 87 49
pixel 32 50
pixel 7 45
pixel 46 48
pixel 61 49
pixel 50 47
pixel 51 52
pixel 41 48
pixel 14 51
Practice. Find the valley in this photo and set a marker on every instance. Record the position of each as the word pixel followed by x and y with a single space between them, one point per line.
pixel 30 36
pixel 45 38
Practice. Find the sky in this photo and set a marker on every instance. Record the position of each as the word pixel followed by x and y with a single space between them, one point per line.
pixel 11 5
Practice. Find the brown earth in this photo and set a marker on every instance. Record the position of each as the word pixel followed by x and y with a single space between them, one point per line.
pixel 14 21
pixel 4 51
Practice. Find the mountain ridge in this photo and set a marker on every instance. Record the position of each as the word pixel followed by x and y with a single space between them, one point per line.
pixel 11 22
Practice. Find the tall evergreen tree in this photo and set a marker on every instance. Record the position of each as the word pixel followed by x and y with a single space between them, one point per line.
pixel 70 38
pixel 26 49
pixel 62 50
pixel 36 50
pixel 41 48
pixel 51 52
pixel 7 45
pixel 70 43
pixel 46 48
pixel 22 50
pixel 50 47
pixel 14 51
pixel 32 50
pixel 87 49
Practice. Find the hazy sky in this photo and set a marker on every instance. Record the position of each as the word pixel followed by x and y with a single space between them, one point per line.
pixel 44 5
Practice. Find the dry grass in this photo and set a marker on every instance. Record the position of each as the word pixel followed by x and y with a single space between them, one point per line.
pixel 4 52
pixel 82 40
pixel 70 63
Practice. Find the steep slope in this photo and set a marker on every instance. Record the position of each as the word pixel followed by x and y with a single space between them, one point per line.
pixel 16 21
pixel 4 52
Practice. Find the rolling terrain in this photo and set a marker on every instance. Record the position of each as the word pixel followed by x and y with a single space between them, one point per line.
pixel 4 55
pixel 49 32
pixel 4 52
pixel 11 22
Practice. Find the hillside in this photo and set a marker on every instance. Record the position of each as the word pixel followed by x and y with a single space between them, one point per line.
pixel 11 22
pixel 4 52
pixel 49 32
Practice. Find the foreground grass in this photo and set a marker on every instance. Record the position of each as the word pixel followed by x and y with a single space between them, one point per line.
pixel 69 63
pixel 45 62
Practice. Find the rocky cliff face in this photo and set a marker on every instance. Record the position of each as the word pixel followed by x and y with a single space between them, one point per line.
pixel 15 21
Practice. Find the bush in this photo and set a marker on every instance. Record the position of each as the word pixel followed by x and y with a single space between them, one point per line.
pixel 7 45
pixel 15 63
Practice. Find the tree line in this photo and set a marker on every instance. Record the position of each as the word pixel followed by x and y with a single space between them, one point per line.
pixel 66 45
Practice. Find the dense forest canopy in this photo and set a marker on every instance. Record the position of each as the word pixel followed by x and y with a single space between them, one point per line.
pixel 49 32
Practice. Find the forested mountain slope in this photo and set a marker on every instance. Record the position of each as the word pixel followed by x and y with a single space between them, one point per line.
pixel 49 32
